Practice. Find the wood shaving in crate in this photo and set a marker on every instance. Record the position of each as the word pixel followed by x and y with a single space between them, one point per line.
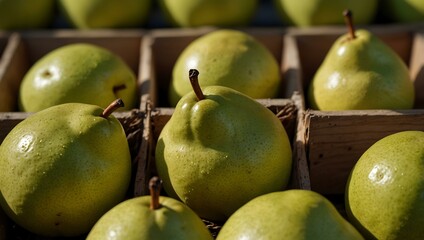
pixel 133 126
pixel 213 228
pixel 286 113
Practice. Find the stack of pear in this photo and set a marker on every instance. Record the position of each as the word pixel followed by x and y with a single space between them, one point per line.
pixel 220 149
pixel 361 72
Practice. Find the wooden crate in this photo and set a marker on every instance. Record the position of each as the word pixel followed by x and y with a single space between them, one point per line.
pixel 22 49
pixel 25 48
pixel 162 47
pixel 334 140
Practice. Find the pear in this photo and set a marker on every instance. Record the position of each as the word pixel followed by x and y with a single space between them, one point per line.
pixel 292 214
pixel 62 168
pixel 385 191
pixel 150 217
pixel 361 72
pixel 221 149
pixel 93 14
pixel 228 58
pixel 78 72
pixel 26 14
pixel 406 11
pixel 196 13
pixel 309 13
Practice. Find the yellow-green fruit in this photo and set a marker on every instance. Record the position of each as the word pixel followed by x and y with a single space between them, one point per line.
pixel 133 219
pixel 361 73
pixel 26 14
pixel 196 13
pixel 292 215
pixel 228 58
pixel 79 72
pixel 62 168
pixel 307 13
pixel 92 14
pixel 385 191
pixel 218 153
pixel 403 11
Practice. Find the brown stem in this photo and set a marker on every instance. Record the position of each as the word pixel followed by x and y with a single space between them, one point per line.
pixel 155 184
pixel 348 16
pixel 112 107
pixel 194 80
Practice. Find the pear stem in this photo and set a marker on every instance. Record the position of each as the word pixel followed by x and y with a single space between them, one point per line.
pixel 112 107
pixel 348 16
pixel 155 184
pixel 194 80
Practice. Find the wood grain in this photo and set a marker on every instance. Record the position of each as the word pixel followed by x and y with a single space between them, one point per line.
pixel 336 140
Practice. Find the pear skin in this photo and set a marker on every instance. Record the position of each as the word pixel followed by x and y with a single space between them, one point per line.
pixel 361 73
pixel 96 14
pixel 307 13
pixel 197 13
pixel 291 214
pixel 217 153
pixel 26 14
pixel 150 217
pixel 385 190
pixel 80 72
pixel 62 168
pixel 228 58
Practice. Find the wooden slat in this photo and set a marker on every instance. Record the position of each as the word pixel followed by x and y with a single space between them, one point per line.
pixel 336 140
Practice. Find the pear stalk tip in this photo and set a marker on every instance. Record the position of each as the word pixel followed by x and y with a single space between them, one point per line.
pixel 118 103
pixel 348 16
pixel 193 75
pixel 155 185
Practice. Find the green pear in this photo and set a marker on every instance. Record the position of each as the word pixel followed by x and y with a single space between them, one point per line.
pixel 361 72
pixel 64 167
pixel 403 11
pixel 220 149
pixel 228 58
pixel 308 13
pixel 292 214
pixel 84 14
pixel 26 14
pixel 78 72
pixel 385 191
pixel 196 13
pixel 150 217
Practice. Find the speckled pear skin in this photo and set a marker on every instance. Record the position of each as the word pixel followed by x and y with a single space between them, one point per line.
pixel 308 13
pixel 134 220
pixel 385 191
pixel 291 214
pixel 197 13
pixel 218 153
pixel 62 168
pixel 103 14
pixel 78 72
pixel 18 15
pixel 361 73
pixel 228 58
